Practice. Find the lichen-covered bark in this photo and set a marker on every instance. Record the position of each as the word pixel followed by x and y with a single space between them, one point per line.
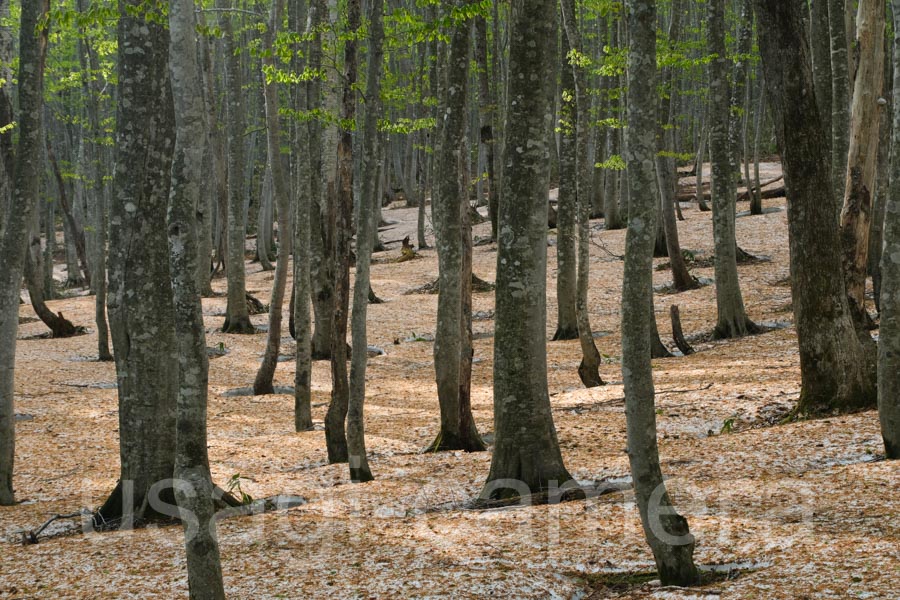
pixel 665 530
pixel 836 373
pixel 567 209
pixel 193 485
pixel 821 57
pixel 526 452
pixel 840 95
pixel 732 320
pixel 889 333
pixel 32 55
pixel 141 311
pixel 452 345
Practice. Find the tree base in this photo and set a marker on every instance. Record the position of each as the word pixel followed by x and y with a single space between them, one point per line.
pixel 445 442
pixel 240 326
pixel 565 333
pixel 726 330
pixel 590 375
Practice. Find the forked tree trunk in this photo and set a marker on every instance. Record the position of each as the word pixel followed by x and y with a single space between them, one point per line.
pixel 836 372
pixel 452 343
pixel 32 55
pixel 666 531
pixel 141 310
pixel 527 456
pixel 193 484
pixel 335 435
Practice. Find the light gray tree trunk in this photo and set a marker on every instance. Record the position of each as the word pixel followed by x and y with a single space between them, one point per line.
pixel 836 373
pixel 193 484
pixel 889 340
pixel 666 531
pixel 237 316
pixel 526 452
pixel 264 218
pixel 141 310
pixel 32 55
pixel 281 188
pixel 732 320
pixel 452 343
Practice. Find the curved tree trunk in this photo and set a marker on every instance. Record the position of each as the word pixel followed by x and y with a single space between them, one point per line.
pixel 59 326
pixel 193 483
pixel 263 383
pixel 836 372
pixel 666 531
pixel 526 452
pixel 32 55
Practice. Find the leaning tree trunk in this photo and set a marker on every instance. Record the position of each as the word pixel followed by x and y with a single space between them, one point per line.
pixel 666 531
pixel 193 483
pixel 59 326
pixel 237 316
pixel 266 373
pixel 836 373
pixel 335 418
pixel 889 340
pixel 141 310
pixel 589 368
pixel 32 55
pixel 732 320
pixel 366 230
pixel 526 449
pixel 862 160
pixel 450 203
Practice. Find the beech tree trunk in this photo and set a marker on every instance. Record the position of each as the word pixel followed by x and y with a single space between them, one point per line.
pixel 732 320
pixel 889 333
pixel 837 374
pixel 193 484
pixel 32 56
pixel 840 95
pixel 281 187
pixel 141 309
pixel 666 531
pixel 527 456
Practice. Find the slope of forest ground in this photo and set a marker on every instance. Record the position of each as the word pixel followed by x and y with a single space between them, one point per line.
pixel 804 510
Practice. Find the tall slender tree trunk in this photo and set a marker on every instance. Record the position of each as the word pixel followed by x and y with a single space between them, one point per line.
pixel 141 310
pixel 367 228
pixel 732 320
pixel 32 56
pixel 836 373
pixel 862 159
pixel 666 531
pixel 193 483
pixel 840 95
pixel 335 435
pixel 452 343
pixel 237 316
pixel 527 456
pixel 266 373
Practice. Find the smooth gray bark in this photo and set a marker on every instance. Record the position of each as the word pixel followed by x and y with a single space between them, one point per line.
pixel 840 95
pixel 666 531
pixel 141 310
pixel 452 343
pixel 836 373
pixel 32 55
pixel 193 484
pixel 732 320
pixel 527 456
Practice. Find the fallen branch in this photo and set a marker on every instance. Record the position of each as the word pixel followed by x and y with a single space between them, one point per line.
pixel 31 537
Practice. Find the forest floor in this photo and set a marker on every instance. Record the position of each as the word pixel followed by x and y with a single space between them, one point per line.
pixel 801 510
